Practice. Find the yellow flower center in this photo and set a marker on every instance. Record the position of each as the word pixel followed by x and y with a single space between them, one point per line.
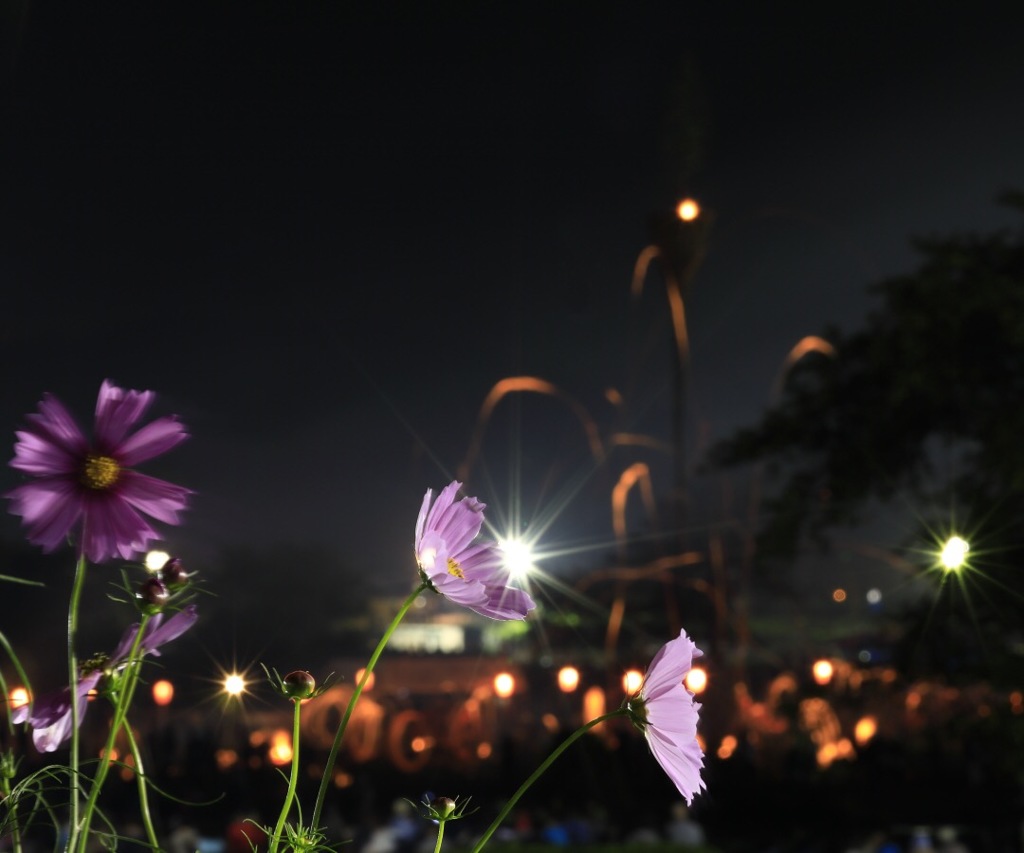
pixel 455 569
pixel 100 472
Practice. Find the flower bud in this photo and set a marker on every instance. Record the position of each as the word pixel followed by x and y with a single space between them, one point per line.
pixel 173 573
pixel 153 592
pixel 298 685
pixel 443 807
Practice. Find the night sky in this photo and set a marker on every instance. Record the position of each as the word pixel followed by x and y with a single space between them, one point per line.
pixel 322 232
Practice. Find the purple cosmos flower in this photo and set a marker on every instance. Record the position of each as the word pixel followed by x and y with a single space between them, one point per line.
pixel 469 574
pixel 664 710
pixel 93 484
pixel 50 715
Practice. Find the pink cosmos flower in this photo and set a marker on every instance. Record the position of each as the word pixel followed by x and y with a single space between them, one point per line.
pixel 91 486
pixel 468 573
pixel 50 715
pixel 664 710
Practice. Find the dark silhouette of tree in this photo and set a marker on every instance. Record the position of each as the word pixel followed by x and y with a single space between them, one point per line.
pixel 924 403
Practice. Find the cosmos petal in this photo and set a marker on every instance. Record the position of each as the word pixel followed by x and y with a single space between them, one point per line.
pixel 506 603
pixel 154 439
pixel 117 411
pixel 159 633
pixel 681 764
pixel 53 423
pixel 38 455
pixel 115 530
pixel 49 510
pixel 158 498
pixel 669 666
pixel 421 519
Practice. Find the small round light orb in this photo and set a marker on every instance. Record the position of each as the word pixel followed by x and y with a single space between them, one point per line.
pixel 632 680
pixel 865 729
pixel 954 553
pixel 234 684
pixel 839 595
pixel 874 595
pixel 696 680
pixel 154 560
pixel 18 697
pixel 163 692
pixel 822 671
pixel 568 679
pixel 369 681
pixel 688 210
pixel 504 685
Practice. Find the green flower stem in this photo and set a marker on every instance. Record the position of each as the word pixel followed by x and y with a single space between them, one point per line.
pixel 329 768
pixel 440 835
pixel 293 780
pixel 73 780
pixel 128 681
pixel 562 747
pixel 140 781
pixel 15 828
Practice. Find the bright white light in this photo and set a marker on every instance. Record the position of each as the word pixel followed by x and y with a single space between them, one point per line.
pixel 234 685
pixel 518 556
pixel 874 595
pixel 954 553
pixel 155 560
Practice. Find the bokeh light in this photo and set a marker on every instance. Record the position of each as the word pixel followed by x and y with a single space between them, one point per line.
pixel 163 692
pixel 154 560
pixel 568 679
pixel 369 681
pixel 688 210
pixel 280 751
pixel 594 703
pixel 18 697
pixel 865 729
pixel 696 680
pixel 504 685
pixel 632 679
pixel 822 671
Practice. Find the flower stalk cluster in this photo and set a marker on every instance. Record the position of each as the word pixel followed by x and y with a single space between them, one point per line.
pixel 88 492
